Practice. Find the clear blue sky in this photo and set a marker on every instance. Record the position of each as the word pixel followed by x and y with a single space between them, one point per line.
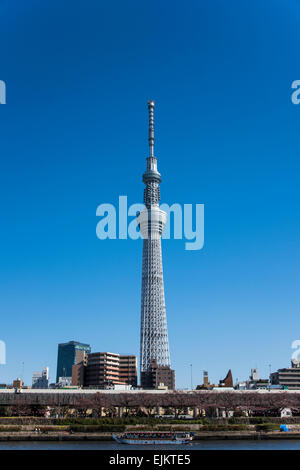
pixel 74 135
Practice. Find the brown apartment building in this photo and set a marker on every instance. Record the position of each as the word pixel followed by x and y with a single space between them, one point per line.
pixel 78 372
pixel 104 369
pixel 158 375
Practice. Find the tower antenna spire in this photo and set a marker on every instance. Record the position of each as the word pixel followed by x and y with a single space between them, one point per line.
pixel 151 127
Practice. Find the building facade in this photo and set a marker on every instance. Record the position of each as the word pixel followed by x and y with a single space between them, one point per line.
pixel 64 382
pixel 128 370
pixel 104 370
pixel 69 354
pixel 159 376
pixel 41 379
pixel 289 377
pixel 254 383
pixel 154 343
pixel 78 373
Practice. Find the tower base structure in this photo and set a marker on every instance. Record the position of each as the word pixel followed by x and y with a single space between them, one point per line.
pixel 158 377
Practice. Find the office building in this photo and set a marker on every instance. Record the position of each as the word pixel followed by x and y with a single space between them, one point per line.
pixel 69 354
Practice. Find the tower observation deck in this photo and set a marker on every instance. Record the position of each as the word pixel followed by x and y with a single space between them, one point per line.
pixel 154 344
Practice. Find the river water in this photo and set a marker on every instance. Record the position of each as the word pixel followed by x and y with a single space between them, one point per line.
pixel 286 444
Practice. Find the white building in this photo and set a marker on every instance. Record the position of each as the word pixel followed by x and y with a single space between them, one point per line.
pixel 41 379
pixel 64 381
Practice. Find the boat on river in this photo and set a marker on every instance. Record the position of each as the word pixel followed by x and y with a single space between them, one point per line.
pixel 154 438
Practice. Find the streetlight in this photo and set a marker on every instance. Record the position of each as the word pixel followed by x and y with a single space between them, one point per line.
pixel 191 376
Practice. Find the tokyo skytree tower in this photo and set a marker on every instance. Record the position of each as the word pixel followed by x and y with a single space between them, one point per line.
pixel 154 334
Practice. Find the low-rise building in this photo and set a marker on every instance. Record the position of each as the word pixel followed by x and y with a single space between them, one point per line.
pixel 18 384
pixel 41 379
pixel 64 382
pixel 286 413
pixel 253 383
pixel 157 376
pixel 206 383
pixel 289 377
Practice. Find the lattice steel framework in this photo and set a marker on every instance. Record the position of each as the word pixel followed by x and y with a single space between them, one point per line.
pixel 154 333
